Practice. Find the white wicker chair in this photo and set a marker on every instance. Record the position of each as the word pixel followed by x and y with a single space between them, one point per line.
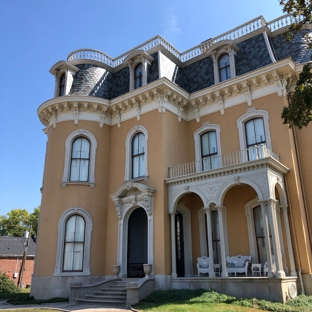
pixel 203 265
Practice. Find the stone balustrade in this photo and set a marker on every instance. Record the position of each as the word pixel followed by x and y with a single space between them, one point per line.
pixel 221 161
pixel 240 31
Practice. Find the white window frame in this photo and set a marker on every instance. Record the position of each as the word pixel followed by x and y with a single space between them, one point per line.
pixel 206 127
pixel 217 50
pixel 57 70
pixel 251 114
pixel 58 81
pixel 132 60
pixel 68 151
pixel 128 145
pixel 58 271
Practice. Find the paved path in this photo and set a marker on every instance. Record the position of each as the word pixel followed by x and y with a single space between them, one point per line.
pixel 64 306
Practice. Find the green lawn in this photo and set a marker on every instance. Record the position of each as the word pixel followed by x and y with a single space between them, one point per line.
pixel 184 300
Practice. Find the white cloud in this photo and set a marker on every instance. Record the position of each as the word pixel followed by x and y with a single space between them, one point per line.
pixel 170 25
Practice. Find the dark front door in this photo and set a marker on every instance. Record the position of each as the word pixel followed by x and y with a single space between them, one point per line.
pixel 137 243
pixel 179 244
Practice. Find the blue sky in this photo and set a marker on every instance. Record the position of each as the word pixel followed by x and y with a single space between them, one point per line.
pixel 35 34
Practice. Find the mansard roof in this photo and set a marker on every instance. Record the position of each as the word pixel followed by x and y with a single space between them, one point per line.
pixel 257 43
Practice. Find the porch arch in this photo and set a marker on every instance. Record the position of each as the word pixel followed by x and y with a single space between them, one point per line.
pixel 236 181
pixel 173 200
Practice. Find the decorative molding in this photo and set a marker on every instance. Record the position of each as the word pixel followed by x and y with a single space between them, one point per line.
pixel 139 195
pixel 102 116
pixel 163 99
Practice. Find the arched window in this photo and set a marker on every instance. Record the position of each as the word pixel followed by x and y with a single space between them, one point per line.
pixel 224 67
pixel 138 155
pixel 138 76
pixel 80 158
pixel 255 136
pixel 74 244
pixel 62 85
pixel 209 150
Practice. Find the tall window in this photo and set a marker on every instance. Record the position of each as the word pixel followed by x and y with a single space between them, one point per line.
pixel 138 155
pixel 224 67
pixel 80 159
pixel 216 245
pixel 138 76
pixel 259 235
pixel 255 137
pixel 209 150
pixel 74 244
pixel 62 85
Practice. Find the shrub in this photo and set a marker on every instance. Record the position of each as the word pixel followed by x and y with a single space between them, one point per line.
pixel 7 286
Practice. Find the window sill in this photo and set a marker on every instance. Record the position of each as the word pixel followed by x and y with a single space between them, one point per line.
pixel 65 183
pixel 144 178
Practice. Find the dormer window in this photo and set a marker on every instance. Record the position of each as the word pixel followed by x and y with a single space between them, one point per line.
pixel 138 76
pixel 138 61
pixel 224 67
pixel 62 85
pixel 223 56
pixel 64 75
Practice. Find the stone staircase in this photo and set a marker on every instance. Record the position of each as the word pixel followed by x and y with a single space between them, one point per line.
pixel 114 294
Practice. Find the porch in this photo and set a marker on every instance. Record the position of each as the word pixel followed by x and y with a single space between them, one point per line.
pixel 241 205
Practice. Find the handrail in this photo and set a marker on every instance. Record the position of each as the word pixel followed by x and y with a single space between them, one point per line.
pixel 222 161
pixel 235 33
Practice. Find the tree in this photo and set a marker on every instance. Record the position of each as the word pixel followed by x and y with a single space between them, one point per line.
pixel 298 112
pixel 17 221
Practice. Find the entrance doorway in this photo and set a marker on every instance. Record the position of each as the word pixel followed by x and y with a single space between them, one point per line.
pixel 179 244
pixel 137 243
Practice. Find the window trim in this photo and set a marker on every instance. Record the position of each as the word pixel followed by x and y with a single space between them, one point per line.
pixel 74 242
pixel 72 158
pixel 217 50
pixel 206 127
pixel 67 163
pixel 251 114
pixel 138 77
pixel 58 271
pixel 133 60
pixel 226 67
pixel 60 68
pixel 61 75
pixel 128 145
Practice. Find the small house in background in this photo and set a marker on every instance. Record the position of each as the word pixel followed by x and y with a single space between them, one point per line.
pixel 11 256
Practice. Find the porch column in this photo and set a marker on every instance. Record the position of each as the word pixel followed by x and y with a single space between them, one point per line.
pixel 173 247
pixel 272 207
pixel 289 243
pixel 209 237
pixel 267 237
pixel 222 240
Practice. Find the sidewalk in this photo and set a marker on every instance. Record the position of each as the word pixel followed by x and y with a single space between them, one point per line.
pixel 64 306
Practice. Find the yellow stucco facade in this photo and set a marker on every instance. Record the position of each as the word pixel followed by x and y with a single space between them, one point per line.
pixel 239 198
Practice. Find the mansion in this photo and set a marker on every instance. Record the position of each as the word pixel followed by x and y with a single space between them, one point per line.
pixel 157 159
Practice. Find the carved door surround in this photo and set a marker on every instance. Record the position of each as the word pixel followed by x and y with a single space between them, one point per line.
pixel 127 198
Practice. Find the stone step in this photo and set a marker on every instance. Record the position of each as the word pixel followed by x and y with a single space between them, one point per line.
pixel 106 302
pixel 112 289
pixel 109 298
pixel 110 295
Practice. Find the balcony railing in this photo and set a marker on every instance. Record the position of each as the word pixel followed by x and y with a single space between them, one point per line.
pixel 222 161
pixel 242 30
